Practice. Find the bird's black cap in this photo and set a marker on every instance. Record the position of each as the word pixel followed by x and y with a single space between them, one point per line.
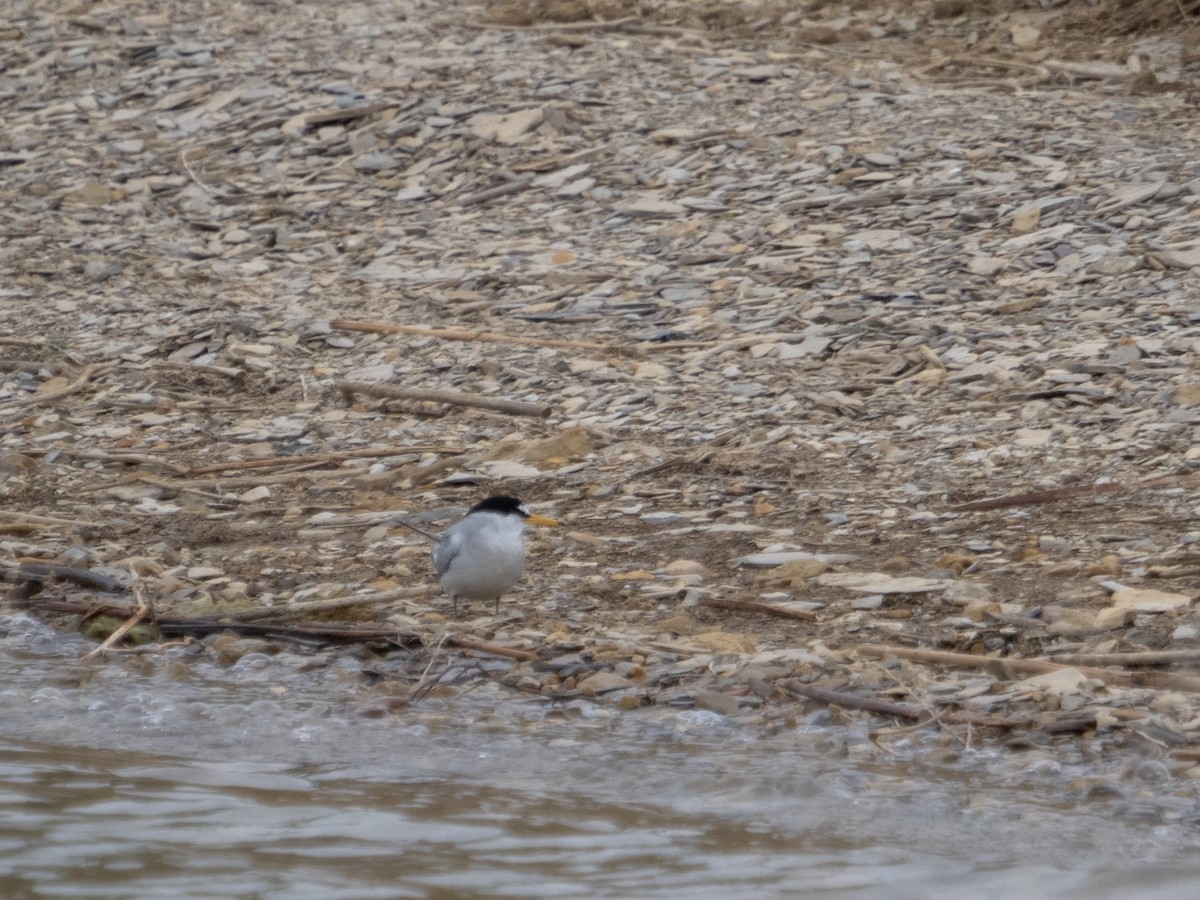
pixel 505 505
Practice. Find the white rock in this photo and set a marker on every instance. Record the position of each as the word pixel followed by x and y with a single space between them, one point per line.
pixel 882 583
pixel 1149 601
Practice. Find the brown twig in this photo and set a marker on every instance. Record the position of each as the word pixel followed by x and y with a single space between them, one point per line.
pixel 129 459
pixel 465 643
pixel 143 609
pixel 560 27
pixel 512 186
pixel 386 391
pixel 462 334
pixel 308 634
pixel 31 519
pixel 272 462
pixel 328 116
pixel 199 369
pixel 42 573
pixel 758 607
pixel 425 684
pixel 1154 680
pixel 301 609
pixel 1033 498
pixel 201 625
pixel 88 373
pixel 1142 658
pixel 851 701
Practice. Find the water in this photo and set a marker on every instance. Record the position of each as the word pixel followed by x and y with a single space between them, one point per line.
pixel 147 777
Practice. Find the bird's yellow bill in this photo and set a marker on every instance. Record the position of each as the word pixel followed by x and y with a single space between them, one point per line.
pixel 544 521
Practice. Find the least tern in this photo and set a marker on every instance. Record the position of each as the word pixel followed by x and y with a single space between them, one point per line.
pixel 482 556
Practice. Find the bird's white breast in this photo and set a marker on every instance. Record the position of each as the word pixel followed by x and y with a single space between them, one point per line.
pixel 488 556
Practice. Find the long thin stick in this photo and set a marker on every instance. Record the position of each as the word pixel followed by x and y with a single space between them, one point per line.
pixel 88 373
pixel 140 613
pixel 1153 680
pixel 758 607
pixel 421 531
pixel 462 334
pixel 42 572
pixel 851 701
pixel 272 462
pixel 1034 498
pixel 1142 658
pixel 129 459
pixel 514 186
pixel 300 609
pixel 31 519
pixel 597 25
pixel 489 647
pixel 478 401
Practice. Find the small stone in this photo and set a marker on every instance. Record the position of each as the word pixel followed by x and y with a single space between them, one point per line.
pixel 203 573
pixel 879 582
pixel 956 562
pixel 1186 633
pixel 1026 220
pixel 1060 683
pixel 1149 601
pixel 717 702
pixel 771 560
pixel 871 601
pixel 1111 618
pixel 603 682
pixel 724 642
pixel 375 162
pixel 682 625
pixel 797 571
pixel 686 567
pixel 654 209
pixel 1109 565
pixel 650 370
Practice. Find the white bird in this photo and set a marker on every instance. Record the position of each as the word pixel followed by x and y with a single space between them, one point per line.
pixel 482 556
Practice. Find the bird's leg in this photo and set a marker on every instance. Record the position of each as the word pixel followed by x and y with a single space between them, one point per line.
pixel 454 605
pixel 497 606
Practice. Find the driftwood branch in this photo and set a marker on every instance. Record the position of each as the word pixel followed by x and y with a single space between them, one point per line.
pixel 25 518
pixel 178 626
pixel 512 186
pixel 170 626
pixel 143 609
pixel 1035 498
pixel 852 701
pixel 489 647
pixel 757 606
pixel 560 27
pixel 462 334
pixel 129 459
pixel 1142 658
pixel 478 401
pixel 42 573
pixel 301 609
pixel 328 116
pixel 89 372
pixel 1163 681
pixel 317 459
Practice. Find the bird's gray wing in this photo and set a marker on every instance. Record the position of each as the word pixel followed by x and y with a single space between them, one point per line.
pixel 445 550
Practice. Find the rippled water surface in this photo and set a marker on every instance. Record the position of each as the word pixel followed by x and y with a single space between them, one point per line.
pixel 169 777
